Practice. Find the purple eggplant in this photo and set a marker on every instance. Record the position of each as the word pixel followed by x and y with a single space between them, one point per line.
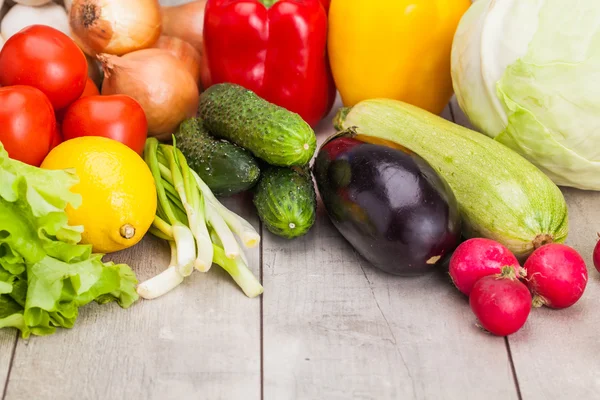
pixel 389 203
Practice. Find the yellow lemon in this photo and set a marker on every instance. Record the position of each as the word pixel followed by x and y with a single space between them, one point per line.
pixel 117 191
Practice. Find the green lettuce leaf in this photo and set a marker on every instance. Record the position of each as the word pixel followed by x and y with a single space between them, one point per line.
pixel 45 275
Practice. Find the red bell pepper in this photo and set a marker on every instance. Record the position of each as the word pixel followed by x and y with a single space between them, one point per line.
pixel 278 52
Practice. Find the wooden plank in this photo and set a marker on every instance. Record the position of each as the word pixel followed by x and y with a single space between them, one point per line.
pixel 336 328
pixel 201 340
pixel 556 353
pixel 7 343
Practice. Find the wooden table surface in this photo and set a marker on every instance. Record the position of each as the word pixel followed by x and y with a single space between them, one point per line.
pixel 328 326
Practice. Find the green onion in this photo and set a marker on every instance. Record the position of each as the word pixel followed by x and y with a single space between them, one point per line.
pixel 199 229
pixel 164 282
pixel 241 227
pixel 186 251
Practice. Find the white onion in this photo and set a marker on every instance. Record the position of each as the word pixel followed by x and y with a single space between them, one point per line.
pixel 32 3
pixel 68 4
pixel 1 42
pixel 20 16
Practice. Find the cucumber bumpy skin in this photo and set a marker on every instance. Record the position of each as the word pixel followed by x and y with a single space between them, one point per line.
pixel 272 133
pixel 226 169
pixel 501 195
pixel 286 201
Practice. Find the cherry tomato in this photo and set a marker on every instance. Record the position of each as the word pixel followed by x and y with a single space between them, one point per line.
pixel 27 123
pixel 118 117
pixel 90 90
pixel 47 59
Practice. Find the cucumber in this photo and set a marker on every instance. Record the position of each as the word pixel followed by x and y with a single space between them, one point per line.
pixel 272 133
pixel 227 169
pixel 502 196
pixel 286 201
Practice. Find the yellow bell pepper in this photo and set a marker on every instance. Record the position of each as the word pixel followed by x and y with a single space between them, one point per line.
pixel 398 49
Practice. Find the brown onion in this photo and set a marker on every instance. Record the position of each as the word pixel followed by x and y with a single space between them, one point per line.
pixel 115 26
pixel 158 81
pixel 185 22
pixel 183 51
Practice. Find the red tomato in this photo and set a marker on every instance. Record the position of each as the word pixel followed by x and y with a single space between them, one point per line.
pixel 90 90
pixel 47 59
pixel 116 117
pixel 27 123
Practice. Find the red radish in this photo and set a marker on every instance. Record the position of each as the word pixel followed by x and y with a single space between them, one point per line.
pixel 557 276
pixel 501 302
pixel 597 255
pixel 479 257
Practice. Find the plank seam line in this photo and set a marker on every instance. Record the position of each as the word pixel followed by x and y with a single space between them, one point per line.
pixel 262 336
pixel 513 369
pixel 10 365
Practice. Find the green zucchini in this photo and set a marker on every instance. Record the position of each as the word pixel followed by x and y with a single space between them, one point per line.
pixel 272 133
pixel 502 196
pixel 227 169
pixel 286 201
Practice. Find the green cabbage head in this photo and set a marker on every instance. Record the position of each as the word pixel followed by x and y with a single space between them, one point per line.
pixel 527 73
